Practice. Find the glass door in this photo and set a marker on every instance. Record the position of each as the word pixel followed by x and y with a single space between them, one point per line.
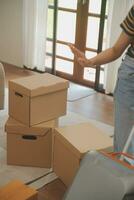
pixel 66 31
pixel 95 41
pixel 80 22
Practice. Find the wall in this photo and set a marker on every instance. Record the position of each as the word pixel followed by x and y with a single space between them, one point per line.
pixel 11 31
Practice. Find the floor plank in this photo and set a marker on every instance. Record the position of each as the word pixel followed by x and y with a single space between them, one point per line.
pixel 97 106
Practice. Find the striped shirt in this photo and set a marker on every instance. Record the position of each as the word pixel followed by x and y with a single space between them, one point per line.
pixel 128 27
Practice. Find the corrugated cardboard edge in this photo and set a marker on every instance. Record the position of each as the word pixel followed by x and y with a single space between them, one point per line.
pixel 13 126
pixel 17 87
pixel 68 145
pixel 73 148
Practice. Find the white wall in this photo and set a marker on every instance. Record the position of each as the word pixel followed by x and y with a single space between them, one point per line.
pixel 11 47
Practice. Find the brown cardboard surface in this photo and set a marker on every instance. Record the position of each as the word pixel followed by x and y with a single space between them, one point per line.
pixel 29 150
pixel 16 190
pixel 39 84
pixel 29 146
pixel 38 98
pixel 13 126
pixel 83 136
pixel 25 194
pixel 65 162
pixel 71 143
pixel 19 106
pixel 10 188
pixel 49 107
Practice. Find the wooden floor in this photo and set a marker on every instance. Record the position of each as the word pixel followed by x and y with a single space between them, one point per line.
pixel 97 106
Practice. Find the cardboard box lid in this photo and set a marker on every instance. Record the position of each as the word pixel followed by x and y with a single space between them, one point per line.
pixel 16 190
pixel 13 126
pixel 38 84
pixel 83 137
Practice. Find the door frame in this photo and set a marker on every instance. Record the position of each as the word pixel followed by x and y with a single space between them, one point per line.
pixel 80 42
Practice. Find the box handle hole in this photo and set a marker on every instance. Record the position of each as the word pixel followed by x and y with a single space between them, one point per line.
pixel 29 137
pixel 18 94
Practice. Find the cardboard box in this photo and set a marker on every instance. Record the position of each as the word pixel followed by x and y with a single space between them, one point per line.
pixel 16 190
pixel 37 98
pixel 29 146
pixel 71 143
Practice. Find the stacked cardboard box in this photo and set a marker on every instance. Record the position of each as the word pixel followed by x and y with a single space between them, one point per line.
pixel 35 103
pixel 70 145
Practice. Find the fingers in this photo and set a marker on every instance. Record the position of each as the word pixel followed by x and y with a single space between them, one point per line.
pixel 76 51
pixel 79 56
pixel 72 48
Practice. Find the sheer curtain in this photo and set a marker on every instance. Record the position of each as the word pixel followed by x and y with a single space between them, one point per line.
pixel 117 12
pixel 2 86
pixel 34 33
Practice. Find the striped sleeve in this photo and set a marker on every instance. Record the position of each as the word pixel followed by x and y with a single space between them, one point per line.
pixel 128 24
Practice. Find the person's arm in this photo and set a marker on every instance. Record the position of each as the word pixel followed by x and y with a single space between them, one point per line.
pixel 106 56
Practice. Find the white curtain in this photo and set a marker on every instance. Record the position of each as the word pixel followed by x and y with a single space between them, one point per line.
pixel 2 86
pixel 117 12
pixel 34 32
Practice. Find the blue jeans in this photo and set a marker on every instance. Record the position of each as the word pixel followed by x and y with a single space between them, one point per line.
pixel 124 104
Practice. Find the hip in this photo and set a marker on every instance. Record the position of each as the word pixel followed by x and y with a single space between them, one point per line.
pixel 124 90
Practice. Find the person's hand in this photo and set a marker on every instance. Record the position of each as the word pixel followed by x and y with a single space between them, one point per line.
pixel 80 57
pixel 77 53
